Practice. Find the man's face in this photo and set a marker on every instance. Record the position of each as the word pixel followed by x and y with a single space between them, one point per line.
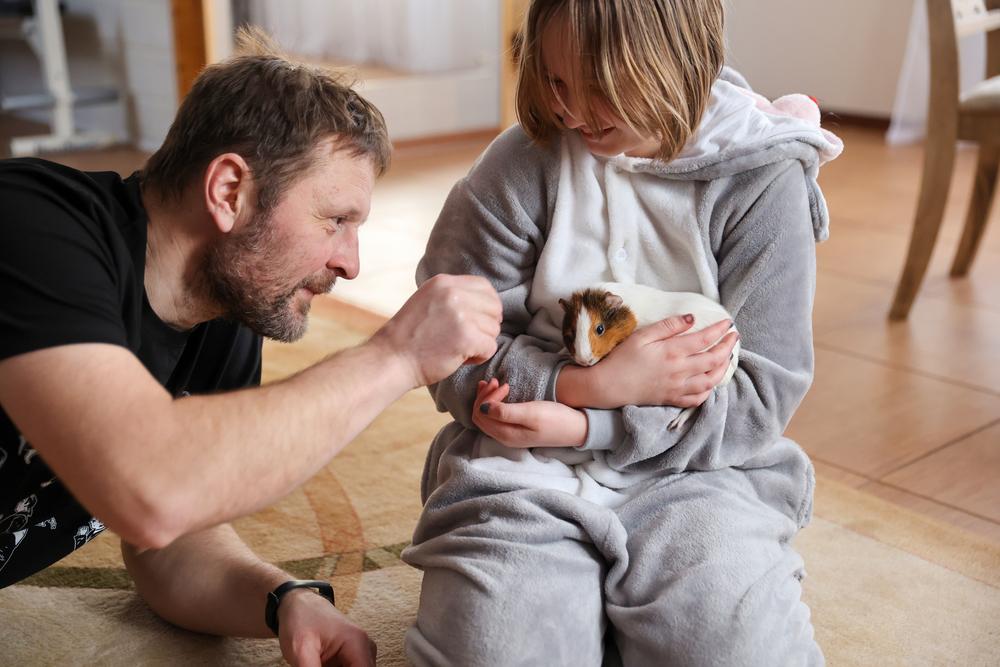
pixel 267 270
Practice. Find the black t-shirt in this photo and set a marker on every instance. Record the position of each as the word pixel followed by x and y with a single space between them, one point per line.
pixel 72 262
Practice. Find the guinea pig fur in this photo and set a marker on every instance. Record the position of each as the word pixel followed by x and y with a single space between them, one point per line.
pixel 595 322
pixel 599 318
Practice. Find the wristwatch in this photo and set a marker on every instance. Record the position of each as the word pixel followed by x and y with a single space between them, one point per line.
pixel 274 598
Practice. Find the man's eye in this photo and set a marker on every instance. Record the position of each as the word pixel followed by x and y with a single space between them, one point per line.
pixel 599 329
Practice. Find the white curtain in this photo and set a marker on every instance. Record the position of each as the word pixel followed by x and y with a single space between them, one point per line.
pixel 407 35
pixel 909 114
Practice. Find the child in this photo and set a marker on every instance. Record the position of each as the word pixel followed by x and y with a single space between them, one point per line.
pixel 560 512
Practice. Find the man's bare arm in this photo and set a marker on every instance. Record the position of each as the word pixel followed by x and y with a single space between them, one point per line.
pixel 211 582
pixel 154 468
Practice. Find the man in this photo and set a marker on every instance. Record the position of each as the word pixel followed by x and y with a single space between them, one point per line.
pixel 132 308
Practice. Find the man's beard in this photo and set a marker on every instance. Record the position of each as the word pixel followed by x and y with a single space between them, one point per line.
pixel 243 276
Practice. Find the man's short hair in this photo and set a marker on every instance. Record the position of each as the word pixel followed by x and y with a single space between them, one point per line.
pixel 271 111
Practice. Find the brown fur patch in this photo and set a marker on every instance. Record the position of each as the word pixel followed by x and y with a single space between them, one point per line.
pixel 618 321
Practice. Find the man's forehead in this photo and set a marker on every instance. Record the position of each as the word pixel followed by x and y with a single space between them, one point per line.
pixel 345 177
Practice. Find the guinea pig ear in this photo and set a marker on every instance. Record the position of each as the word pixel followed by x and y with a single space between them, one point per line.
pixel 565 305
pixel 612 300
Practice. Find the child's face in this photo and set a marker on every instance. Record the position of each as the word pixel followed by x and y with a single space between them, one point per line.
pixel 614 136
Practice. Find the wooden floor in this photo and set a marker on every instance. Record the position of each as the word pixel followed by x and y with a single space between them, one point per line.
pixel 907 411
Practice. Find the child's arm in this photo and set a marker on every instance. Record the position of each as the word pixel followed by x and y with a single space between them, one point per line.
pixel 531 424
pixel 767 281
pixel 493 224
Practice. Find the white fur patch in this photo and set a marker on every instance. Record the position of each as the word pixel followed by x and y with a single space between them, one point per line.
pixel 584 355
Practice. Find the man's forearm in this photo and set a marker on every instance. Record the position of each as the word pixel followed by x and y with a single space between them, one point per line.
pixel 154 468
pixel 208 581
pixel 296 425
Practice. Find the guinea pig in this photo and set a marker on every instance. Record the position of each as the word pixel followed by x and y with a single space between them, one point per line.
pixel 599 318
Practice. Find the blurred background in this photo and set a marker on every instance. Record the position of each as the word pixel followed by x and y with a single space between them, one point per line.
pixel 433 66
pixel 907 409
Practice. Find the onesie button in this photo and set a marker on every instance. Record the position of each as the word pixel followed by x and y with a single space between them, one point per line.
pixel 621 254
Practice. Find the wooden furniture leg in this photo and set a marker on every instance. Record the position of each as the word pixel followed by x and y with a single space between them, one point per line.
pixel 979 208
pixel 935 183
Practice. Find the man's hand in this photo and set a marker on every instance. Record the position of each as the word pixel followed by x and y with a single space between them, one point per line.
pixel 313 633
pixel 657 365
pixel 530 424
pixel 449 321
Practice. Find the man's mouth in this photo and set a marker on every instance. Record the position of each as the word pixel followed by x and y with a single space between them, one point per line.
pixel 319 286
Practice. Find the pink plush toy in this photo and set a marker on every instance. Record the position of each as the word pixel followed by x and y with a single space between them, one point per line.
pixel 796 105
pixel 800 107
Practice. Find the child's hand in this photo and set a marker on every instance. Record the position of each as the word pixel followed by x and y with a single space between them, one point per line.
pixel 657 365
pixel 531 424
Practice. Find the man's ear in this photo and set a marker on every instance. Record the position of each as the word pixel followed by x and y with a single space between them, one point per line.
pixel 227 189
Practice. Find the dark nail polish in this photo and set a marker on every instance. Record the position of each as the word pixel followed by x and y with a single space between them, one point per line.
pixel 484 408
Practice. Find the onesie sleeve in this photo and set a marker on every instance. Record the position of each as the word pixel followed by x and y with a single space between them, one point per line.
pixel 493 224
pixel 767 276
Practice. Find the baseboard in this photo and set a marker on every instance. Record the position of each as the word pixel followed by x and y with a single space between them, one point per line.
pixel 838 119
pixel 482 135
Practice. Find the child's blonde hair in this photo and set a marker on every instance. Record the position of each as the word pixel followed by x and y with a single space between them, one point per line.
pixel 653 62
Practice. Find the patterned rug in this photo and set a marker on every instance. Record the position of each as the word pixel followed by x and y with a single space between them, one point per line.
pixel 886 586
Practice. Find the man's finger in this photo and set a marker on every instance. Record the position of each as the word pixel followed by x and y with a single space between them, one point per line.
pixel 355 653
pixel 482 351
pixel 306 654
pixel 479 289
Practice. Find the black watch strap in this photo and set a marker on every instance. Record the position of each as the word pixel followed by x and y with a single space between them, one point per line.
pixel 274 598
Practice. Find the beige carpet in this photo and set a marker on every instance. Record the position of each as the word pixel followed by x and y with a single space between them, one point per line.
pixel 887 587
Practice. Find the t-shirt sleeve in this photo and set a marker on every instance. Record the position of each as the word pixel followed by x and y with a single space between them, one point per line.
pixel 59 280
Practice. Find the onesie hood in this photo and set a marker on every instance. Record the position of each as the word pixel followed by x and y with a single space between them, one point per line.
pixel 741 131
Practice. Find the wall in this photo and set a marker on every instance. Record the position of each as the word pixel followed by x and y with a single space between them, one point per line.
pixel 439 59
pixel 93 52
pixel 846 53
pixel 148 48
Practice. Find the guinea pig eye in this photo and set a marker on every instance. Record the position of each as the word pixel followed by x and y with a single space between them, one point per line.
pixel 600 329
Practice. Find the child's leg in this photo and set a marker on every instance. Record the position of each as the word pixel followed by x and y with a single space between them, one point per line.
pixel 510 574
pixel 711 578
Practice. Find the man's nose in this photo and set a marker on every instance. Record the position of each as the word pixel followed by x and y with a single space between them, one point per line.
pixel 345 261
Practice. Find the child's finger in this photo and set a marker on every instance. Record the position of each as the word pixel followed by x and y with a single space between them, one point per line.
pixel 496 394
pixel 692 343
pixel 484 387
pixel 512 414
pixel 719 355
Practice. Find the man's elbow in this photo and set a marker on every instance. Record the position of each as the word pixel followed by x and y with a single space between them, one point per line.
pixel 153 521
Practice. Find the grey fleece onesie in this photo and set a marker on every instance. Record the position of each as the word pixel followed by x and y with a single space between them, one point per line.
pixel 675 544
